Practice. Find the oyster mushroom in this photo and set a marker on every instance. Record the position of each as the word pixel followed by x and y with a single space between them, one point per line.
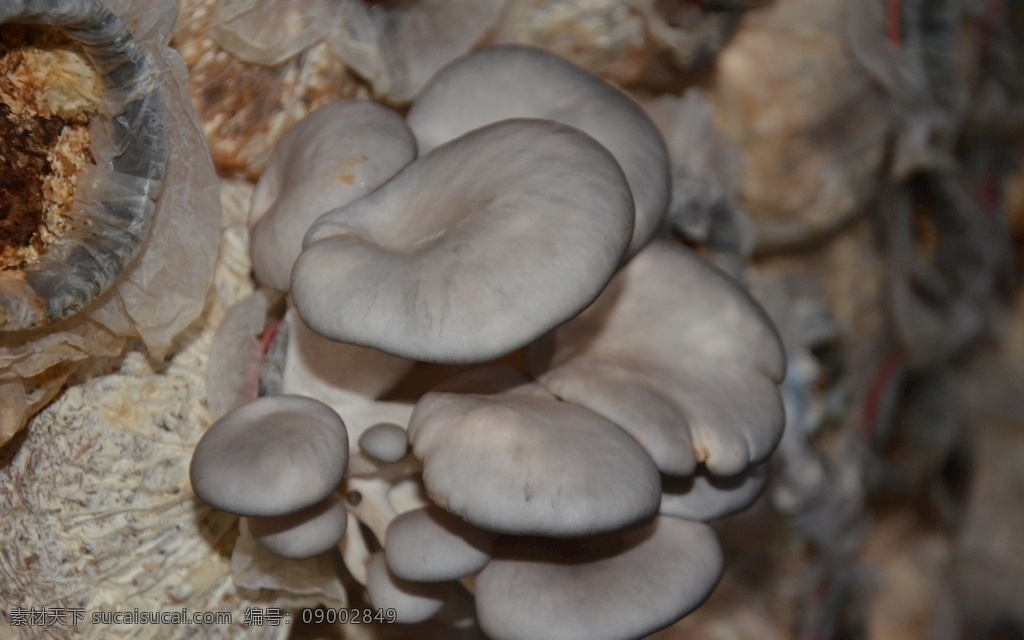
pixel 412 601
pixel 335 155
pixel 473 250
pixel 310 581
pixel 432 545
pixel 622 585
pixel 305 533
pixel 676 354
pixel 704 497
pixel 507 456
pixel 347 378
pixel 112 213
pixel 513 81
pixel 385 441
pixel 270 457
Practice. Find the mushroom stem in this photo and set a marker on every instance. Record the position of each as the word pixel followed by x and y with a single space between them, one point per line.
pixel 367 499
pixel 354 551
pixel 377 499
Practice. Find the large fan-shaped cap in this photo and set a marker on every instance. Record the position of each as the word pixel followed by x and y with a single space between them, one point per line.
pixel 675 353
pixel 520 461
pixel 472 251
pixel 515 81
pixel 612 587
pixel 337 154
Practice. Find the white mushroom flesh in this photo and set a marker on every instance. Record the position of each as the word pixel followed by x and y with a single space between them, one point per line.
pixel 473 250
pixel 514 81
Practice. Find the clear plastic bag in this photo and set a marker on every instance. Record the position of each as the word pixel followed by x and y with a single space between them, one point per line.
pixel 161 290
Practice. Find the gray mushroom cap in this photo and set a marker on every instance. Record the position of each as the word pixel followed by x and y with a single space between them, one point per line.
pixel 617 586
pixel 335 155
pixel 703 496
pixel 675 353
pixel 303 534
pixel 514 459
pixel 515 81
pixel 385 442
pixel 412 601
pixel 432 545
pixel 471 251
pixel 270 457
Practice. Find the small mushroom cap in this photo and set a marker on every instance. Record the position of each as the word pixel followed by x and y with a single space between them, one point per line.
pixel 675 353
pixel 432 545
pixel 270 457
pixel 304 534
pixel 623 585
pixel 471 251
pixel 360 416
pixel 385 442
pixel 335 155
pixel 705 497
pixel 515 81
pixel 520 461
pixel 412 601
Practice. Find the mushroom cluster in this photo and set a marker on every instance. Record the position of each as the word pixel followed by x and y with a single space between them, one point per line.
pixel 628 391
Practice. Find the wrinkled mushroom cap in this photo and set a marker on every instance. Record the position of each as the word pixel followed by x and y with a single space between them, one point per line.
pixel 675 353
pixel 516 81
pixel 623 585
pixel 270 457
pixel 703 496
pixel 520 461
pixel 335 155
pixel 471 251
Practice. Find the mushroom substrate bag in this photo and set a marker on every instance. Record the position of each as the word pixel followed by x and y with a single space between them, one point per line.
pixel 162 290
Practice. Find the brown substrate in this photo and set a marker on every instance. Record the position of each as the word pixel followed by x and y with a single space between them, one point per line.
pixel 25 143
pixel 48 91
